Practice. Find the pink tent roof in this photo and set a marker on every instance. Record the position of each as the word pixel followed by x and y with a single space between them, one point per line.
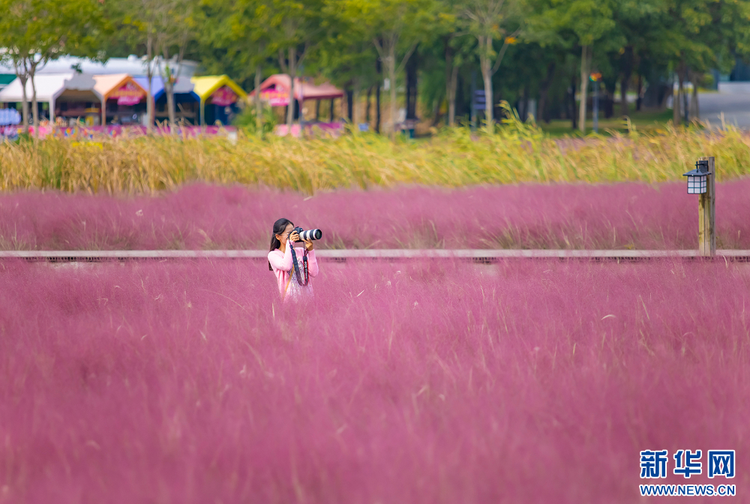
pixel 282 82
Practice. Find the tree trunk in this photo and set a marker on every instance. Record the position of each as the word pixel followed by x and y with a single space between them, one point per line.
pixel 585 59
pixel 411 87
pixel 292 76
pixel 685 104
pixel 488 108
pixel 357 115
pixel 150 104
pixel 639 99
pixel 485 63
pixel 452 87
pixel 544 91
pixel 377 109
pixel 573 116
pixel 676 112
pixel 451 76
pixel 391 62
pixel 350 105
pixel 25 105
pixel 369 103
pixel 627 72
pixel 34 104
pixel 169 90
pixel 379 70
pixel 695 109
pixel 436 112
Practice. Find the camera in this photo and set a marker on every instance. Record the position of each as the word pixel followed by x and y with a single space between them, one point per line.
pixel 310 234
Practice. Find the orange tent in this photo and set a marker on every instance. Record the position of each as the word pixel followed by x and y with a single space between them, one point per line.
pixel 118 86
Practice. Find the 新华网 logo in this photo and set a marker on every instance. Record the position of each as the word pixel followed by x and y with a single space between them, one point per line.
pixel 654 463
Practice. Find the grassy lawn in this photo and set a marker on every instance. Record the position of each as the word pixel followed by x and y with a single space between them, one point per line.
pixel 643 121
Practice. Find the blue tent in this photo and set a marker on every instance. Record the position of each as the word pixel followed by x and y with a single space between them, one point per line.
pixel 183 90
pixel 187 102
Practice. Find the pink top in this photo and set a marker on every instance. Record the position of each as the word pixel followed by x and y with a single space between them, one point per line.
pixel 282 264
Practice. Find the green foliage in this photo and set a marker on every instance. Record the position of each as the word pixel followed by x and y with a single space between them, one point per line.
pixel 247 120
pixel 235 37
pixel 51 28
pixel 542 46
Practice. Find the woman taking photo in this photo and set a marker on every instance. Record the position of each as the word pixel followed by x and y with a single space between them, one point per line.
pixel 293 266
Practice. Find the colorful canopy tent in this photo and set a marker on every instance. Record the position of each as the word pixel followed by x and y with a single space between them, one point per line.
pixel 48 88
pixel 183 94
pixel 183 88
pixel 219 92
pixel 275 90
pixel 78 97
pixel 120 87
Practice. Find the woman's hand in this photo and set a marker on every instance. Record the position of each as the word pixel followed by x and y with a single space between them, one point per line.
pixel 308 245
pixel 294 236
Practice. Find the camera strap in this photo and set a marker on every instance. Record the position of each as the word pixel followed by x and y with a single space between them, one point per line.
pixel 304 266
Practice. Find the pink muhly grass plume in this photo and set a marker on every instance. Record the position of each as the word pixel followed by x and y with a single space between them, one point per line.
pixel 626 215
pixel 435 381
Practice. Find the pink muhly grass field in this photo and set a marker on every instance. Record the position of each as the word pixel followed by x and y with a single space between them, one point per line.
pixel 188 382
pixel 616 216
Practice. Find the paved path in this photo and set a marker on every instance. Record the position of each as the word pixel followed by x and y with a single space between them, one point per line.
pixel 387 254
pixel 736 109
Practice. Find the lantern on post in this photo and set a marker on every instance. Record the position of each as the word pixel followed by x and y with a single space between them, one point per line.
pixel 701 181
pixel 697 182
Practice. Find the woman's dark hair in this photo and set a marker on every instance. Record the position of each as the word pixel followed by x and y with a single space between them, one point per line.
pixel 278 227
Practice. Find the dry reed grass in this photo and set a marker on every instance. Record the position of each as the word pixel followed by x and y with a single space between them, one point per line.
pixel 517 153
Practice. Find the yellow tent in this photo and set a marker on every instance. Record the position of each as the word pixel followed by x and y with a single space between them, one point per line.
pixel 207 85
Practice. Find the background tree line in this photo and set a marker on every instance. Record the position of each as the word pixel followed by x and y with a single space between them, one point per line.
pixel 521 51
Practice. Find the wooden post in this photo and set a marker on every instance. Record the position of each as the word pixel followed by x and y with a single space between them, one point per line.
pixel 706 213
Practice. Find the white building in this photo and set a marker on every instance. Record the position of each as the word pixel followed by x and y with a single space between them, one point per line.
pixel 132 65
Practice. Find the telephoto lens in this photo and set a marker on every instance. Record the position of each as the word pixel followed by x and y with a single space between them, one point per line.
pixel 310 234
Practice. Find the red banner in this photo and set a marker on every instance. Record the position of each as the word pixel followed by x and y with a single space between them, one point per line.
pixel 275 98
pixel 223 97
pixel 129 94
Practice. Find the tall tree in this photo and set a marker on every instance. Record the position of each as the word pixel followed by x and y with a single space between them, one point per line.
pixel 346 54
pixel 699 35
pixel 450 47
pixel 395 27
pixel 37 31
pixel 235 40
pixel 488 21
pixel 137 26
pixel 589 20
pixel 175 26
pixel 296 29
